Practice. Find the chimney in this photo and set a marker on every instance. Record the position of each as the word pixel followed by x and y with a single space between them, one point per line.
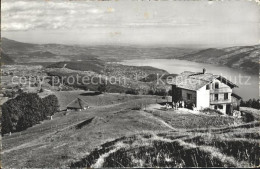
pixel 204 70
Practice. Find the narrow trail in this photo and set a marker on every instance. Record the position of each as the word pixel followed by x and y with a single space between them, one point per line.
pixel 100 161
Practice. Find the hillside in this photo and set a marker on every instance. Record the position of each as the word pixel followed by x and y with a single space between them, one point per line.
pixel 12 45
pixel 243 57
pixel 23 52
pixel 121 130
pixel 118 78
pixel 28 53
pixel 5 59
pixel 93 65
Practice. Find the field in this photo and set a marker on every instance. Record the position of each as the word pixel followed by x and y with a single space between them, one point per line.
pixel 120 130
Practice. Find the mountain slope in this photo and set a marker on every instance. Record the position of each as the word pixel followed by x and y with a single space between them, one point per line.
pixel 27 52
pixel 22 52
pixel 5 59
pixel 244 57
pixel 8 45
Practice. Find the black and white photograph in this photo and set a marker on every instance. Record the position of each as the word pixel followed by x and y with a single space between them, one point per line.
pixel 130 84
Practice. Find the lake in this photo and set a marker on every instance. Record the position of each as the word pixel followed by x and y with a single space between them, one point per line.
pixel 248 83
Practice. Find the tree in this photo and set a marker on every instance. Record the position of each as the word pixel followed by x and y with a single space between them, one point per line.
pixel 51 105
pixel 26 110
pixel 255 104
pixel 102 88
pixel 242 103
pixel 249 103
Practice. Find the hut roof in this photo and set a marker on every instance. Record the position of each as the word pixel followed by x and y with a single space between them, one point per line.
pixel 77 104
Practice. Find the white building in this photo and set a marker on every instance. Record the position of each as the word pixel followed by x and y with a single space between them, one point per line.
pixel 203 90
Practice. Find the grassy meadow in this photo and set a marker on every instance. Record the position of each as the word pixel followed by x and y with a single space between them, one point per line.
pixel 120 130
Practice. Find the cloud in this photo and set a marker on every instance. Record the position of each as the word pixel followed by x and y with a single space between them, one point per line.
pixel 23 15
pixel 28 15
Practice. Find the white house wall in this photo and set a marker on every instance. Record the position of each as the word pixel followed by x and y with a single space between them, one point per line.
pixel 223 88
pixel 203 98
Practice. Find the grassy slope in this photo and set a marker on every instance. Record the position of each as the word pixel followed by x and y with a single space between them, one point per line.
pixel 61 142
pixel 107 119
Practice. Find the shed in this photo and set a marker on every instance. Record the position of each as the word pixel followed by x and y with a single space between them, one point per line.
pixel 77 104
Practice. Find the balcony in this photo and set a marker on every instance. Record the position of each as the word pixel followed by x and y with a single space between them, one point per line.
pixel 220 101
pixel 221 90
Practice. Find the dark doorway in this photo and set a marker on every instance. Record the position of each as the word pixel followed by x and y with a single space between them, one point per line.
pixel 228 109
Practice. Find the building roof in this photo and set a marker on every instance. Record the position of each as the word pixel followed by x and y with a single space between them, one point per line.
pixel 77 104
pixel 236 96
pixel 196 80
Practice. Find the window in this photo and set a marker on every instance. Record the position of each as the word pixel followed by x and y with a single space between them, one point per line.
pixel 220 106
pixel 189 96
pixel 215 107
pixel 216 96
pixel 208 87
pixel 216 85
pixel 226 96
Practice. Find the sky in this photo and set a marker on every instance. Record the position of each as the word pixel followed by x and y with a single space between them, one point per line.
pixel 171 23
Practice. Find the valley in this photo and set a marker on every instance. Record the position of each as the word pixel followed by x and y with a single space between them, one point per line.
pixel 244 58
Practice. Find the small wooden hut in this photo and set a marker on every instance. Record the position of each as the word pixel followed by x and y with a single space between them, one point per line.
pixel 77 105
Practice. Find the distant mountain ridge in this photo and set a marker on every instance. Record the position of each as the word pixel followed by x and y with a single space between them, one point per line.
pixel 23 51
pixel 245 58
pixel 241 57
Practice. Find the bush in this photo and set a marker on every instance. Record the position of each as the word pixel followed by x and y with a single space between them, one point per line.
pixel 9 94
pixel 26 110
pixel 160 92
pixel 132 91
pixel 150 92
pixel 102 88
pixel 247 117
pixel 211 111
